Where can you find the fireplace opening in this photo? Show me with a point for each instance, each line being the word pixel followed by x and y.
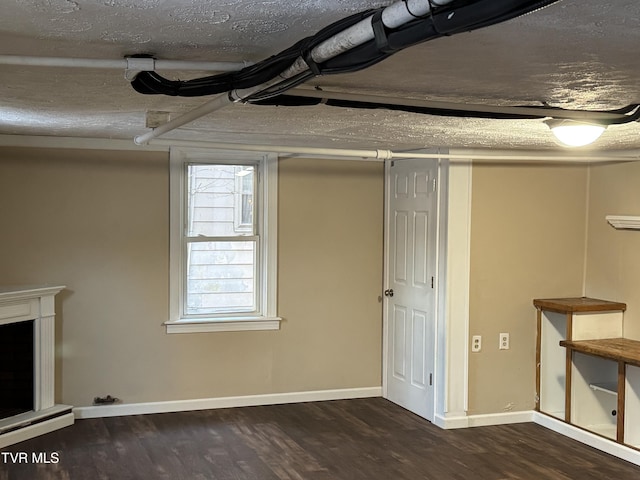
pixel 16 368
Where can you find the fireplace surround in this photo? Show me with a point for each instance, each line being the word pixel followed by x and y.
pixel 30 309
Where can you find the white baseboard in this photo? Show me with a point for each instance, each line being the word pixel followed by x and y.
pixel 505 418
pixel 485 420
pixel 595 441
pixel 449 423
pixel 224 402
pixel 25 433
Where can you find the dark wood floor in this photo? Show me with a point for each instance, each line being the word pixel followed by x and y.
pixel 349 439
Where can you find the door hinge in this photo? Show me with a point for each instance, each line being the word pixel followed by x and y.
pixel 431 282
pixel 430 379
pixel 435 184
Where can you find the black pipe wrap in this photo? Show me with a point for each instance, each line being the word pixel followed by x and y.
pixel 152 83
pixel 545 111
pixel 300 101
pixel 456 17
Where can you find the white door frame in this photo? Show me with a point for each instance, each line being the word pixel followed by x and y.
pixel 452 291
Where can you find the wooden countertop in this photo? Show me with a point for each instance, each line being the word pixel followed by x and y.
pixel 618 349
pixel 577 304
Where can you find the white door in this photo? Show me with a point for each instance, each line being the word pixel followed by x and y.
pixel 410 299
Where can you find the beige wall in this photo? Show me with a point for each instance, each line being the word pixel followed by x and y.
pixel 613 256
pixel 527 241
pixel 97 222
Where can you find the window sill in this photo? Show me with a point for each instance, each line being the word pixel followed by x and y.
pixel 230 324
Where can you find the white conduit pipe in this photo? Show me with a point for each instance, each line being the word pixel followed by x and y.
pixel 123 63
pixel 382 155
pixel 368 155
pixel 393 16
pixel 215 104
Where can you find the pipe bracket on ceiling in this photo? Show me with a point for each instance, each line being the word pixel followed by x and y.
pixel 135 65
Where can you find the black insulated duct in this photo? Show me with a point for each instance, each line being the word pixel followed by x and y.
pixel 627 114
pixel 444 18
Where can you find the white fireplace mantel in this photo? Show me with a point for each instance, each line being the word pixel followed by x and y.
pixel 36 303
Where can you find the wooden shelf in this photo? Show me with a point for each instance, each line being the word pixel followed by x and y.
pixel 577 304
pixel 626 354
pixel 597 373
pixel 619 349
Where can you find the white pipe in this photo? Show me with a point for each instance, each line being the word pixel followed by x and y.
pixel 203 66
pixel 211 106
pixel 20 60
pixel 463 155
pixel 216 104
pixel 382 155
pixel 122 63
pixel 379 155
pixel 393 16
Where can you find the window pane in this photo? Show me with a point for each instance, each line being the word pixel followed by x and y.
pixel 221 277
pixel 220 200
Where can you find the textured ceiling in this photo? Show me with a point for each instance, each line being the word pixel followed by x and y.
pixel 572 54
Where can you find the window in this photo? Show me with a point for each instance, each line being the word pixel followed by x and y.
pixel 223 241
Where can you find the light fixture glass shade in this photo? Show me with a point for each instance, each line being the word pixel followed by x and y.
pixel 571 133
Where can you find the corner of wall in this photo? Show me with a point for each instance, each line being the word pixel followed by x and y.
pixel 587 205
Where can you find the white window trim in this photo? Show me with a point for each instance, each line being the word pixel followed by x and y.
pixel 237 218
pixel 268 232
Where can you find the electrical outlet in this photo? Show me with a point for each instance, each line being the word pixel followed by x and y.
pixel 476 343
pixel 504 341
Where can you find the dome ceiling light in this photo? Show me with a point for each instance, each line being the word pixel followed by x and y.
pixel 571 133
